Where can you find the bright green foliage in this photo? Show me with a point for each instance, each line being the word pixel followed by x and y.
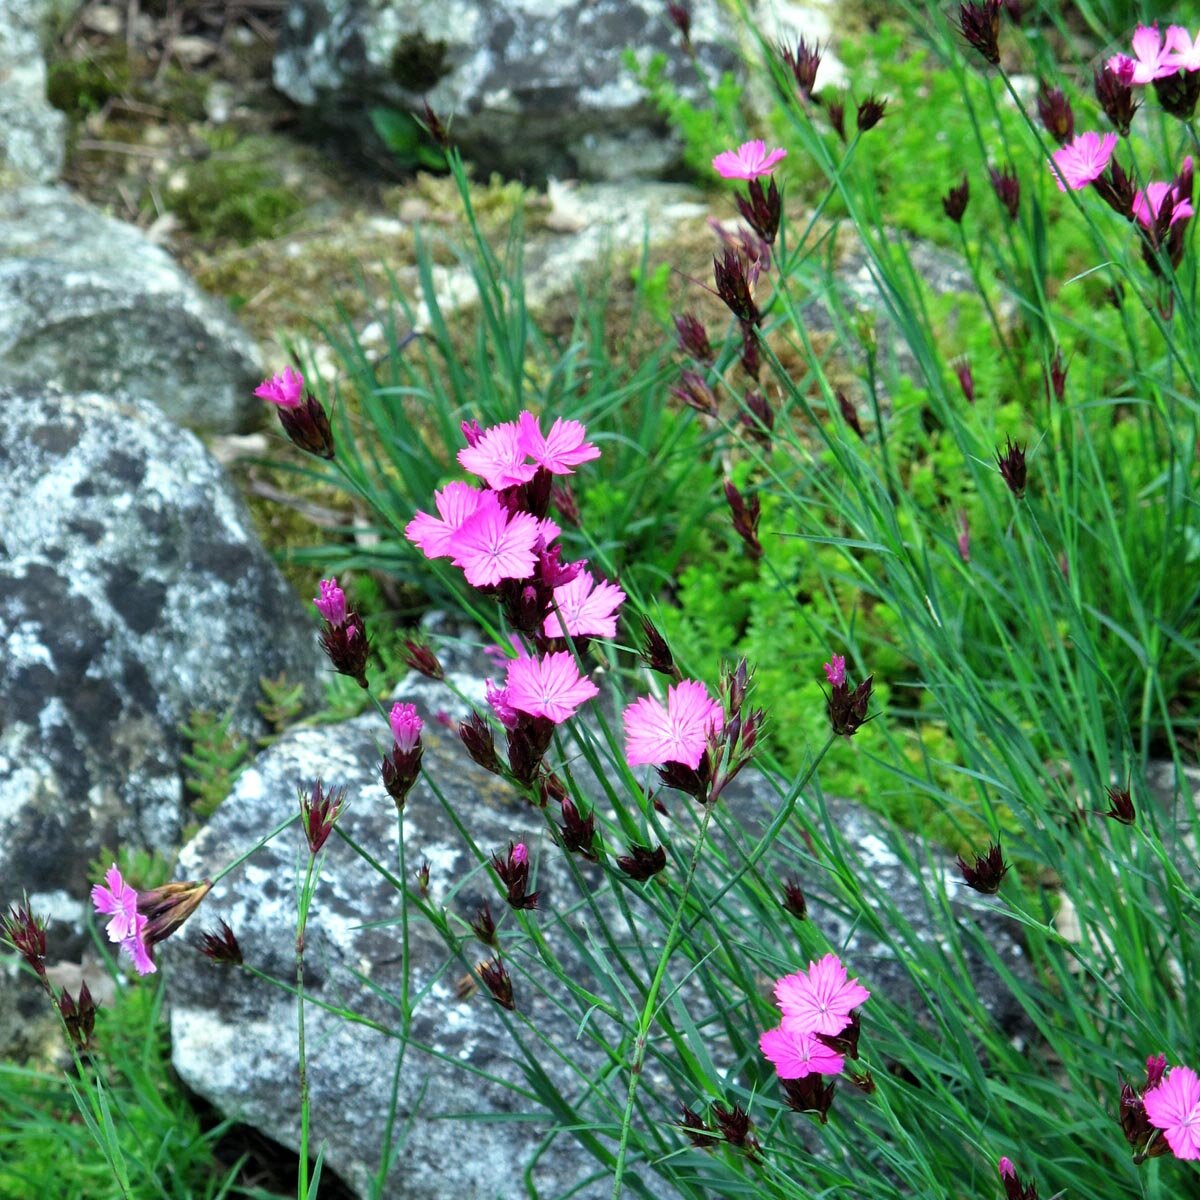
pixel 215 757
pixel 46 1150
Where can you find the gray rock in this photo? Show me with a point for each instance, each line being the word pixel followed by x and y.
pixel 90 304
pixel 534 87
pixel 132 592
pixel 31 131
pixel 234 1037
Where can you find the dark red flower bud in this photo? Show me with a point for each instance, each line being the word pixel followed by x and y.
pixel 954 202
pixel 167 907
pixel 563 500
pixel 870 113
pixel 484 926
pixel 1054 109
pixel 803 62
pixel 347 647
pixel 758 418
pixel 319 811
pixel 1115 97
pixel 656 654
pixel 693 337
pixel 848 709
pixel 845 1042
pixel 987 873
pixel 735 1125
pixel 497 981
pixel 476 735
pixel 307 426
pixel 222 947
pixel 862 1080
pixel 746 514
pixel 980 25
pixel 681 18
pixel 433 126
pixel 1014 1188
pixel 79 1016
pixel 850 414
pixel 693 391
pixel 793 899
pixel 422 659
pixel 514 874
pixel 1007 187
pixel 810 1095
pixel 699 1133
pixel 422 874
pixel 1178 94
pixel 1120 806
pixel 1116 189
pixel 578 833
pixel 642 862
pixel 966 379
pixel 528 742
pixel 1056 376
pixel 761 210
pixel 26 934
pixel 733 287
pixel 1011 462
pixel 694 782
pixel 835 110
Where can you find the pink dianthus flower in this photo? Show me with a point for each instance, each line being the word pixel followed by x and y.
pixel 549 687
pixel 1174 1107
pixel 1146 204
pixel 285 389
pixel 561 450
pixel 1182 52
pixel 499 454
pixel 1150 61
pixel 493 544
pixel 584 608
pixel 455 503
pixel 331 602
pixel 748 161
pixel 676 733
pixel 819 1000
pixel 119 902
pixel 1082 160
pixel 406 726
pixel 835 669
pixel 796 1054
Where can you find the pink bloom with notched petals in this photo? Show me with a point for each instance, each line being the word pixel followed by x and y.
pixel 1082 160
pixel 519 854
pixel 561 450
pixel 406 726
pixel 1182 52
pixel 583 608
pixel 1150 61
pixel 119 901
pixel 455 503
pixel 331 603
pixel 497 698
pixel 285 389
pixel 748 161
pixel 1146 205
pixel 676 733
pixel 796 1054
pixel 499 454
pixel 549 687
pixel 1174 1107
pixel 819 1000
pixel 835 670
pixel 494 544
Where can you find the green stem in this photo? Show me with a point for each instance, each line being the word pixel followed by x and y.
pixel 301 924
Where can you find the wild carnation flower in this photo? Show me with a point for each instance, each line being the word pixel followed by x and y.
pixel 748 161
pixel 796 1054
pixel 1082 160
pixel 493 544
pixel 549 687
pixel 497 698
pixel 499 455
pixel 819 1000
pixel 455 503
pixel 406 726
pixel 127 926
pixel 331 602
pixel 585 608
pixel 1182 52
pixel 285 389
pixel 677 733
pixel 1174 1107
pixel 835 669
pixel 561 450
pixel 1146 204
pixel 1151 59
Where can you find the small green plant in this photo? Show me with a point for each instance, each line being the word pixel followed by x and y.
pixel 281 705
pixel 82 86
pixel 215 757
